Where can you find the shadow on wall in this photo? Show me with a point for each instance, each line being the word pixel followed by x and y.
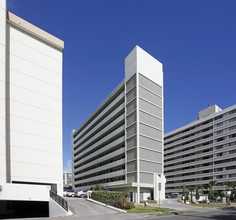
pixel 23 209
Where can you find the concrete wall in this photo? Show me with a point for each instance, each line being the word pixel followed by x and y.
pixel 2 91
pixel 31 103
pixel 22 192
pixel 35 109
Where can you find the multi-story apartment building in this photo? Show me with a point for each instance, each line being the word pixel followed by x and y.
pixel 202 151
pixel 120 145
pixel 30 115
pixel 67 180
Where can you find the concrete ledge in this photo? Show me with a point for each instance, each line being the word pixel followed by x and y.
pixel 108 206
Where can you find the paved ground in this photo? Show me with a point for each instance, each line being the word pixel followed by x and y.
pixel 85 210
pixel 173 204
pixel 82 207
pixel 214 214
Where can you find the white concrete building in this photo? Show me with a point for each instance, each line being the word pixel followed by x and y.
pixel 31 111
pixel 202 151
pixel 67 180
pixel 120 145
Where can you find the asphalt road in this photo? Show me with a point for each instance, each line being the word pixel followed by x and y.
pixel 213 214
pixel 85 210
pixel 173 204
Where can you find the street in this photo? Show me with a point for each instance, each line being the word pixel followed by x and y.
pixel 85 210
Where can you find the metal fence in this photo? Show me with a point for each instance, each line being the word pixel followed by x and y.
pixel 59 200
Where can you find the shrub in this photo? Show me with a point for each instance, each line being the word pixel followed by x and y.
pixel 97 187
pixel 149 198
pixel 107 197
pixel 120 204
pixel 116 199
pixel 129 205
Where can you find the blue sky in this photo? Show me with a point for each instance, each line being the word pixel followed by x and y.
pixel 195 41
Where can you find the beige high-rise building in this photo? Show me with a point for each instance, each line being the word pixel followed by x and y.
pixel 202 151
pixel 120 145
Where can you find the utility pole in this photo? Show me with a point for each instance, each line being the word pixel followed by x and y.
pixel 159 188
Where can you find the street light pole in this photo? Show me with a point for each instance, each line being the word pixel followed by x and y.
pixel 159 188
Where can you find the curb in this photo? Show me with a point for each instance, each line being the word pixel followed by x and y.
pixel 107 206
pixel 190 204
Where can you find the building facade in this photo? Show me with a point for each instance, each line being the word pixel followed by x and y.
pixel 67 180
pixel 31 110
pixel 202 151
pixel 120 145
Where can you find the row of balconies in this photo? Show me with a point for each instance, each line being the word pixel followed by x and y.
pixel 224 164
pixel 102 141
pixel 225 172
pixel 190 182
pixel 192 163
pixel 193 176
pixel 192 138
pixel 99 160
pixel 103 176
pixel 196 157
pixel 99 117
pixel 222 120
pixel 98 153
pixel 192 144
pixel 101 168
pixel 182 134
pixel 101 134
pixel 103 172
pixel 195 150
pixel 106 121
pixel 114 135
pixel 189 170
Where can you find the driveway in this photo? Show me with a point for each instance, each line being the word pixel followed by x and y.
pixel 81 207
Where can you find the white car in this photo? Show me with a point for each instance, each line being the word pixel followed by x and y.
pixel 70 193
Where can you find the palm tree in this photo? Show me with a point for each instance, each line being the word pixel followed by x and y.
pixel 183 187
pixel 212 184
pixel 229 185
pixel 198 187
pixel 205 186
pixel 191 189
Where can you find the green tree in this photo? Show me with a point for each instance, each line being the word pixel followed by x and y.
pixel 191 190
pixel 97 187
pixel 197 191
pixel 229 185
pixel 183 187
pixel 212 184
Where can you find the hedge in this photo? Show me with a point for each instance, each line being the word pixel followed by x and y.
pixel 116 199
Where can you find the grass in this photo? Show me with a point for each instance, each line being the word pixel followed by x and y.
pixel 213 205
pixel 148 209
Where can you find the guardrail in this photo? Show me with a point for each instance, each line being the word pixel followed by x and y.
pixel 59 200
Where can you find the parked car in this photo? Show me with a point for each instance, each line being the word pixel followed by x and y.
pixel 78 192
pixel 70 193
pixel 64 193
pixel 83 193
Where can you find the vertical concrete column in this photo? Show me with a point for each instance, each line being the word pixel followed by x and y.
pixel 3 91
pixel 149 113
